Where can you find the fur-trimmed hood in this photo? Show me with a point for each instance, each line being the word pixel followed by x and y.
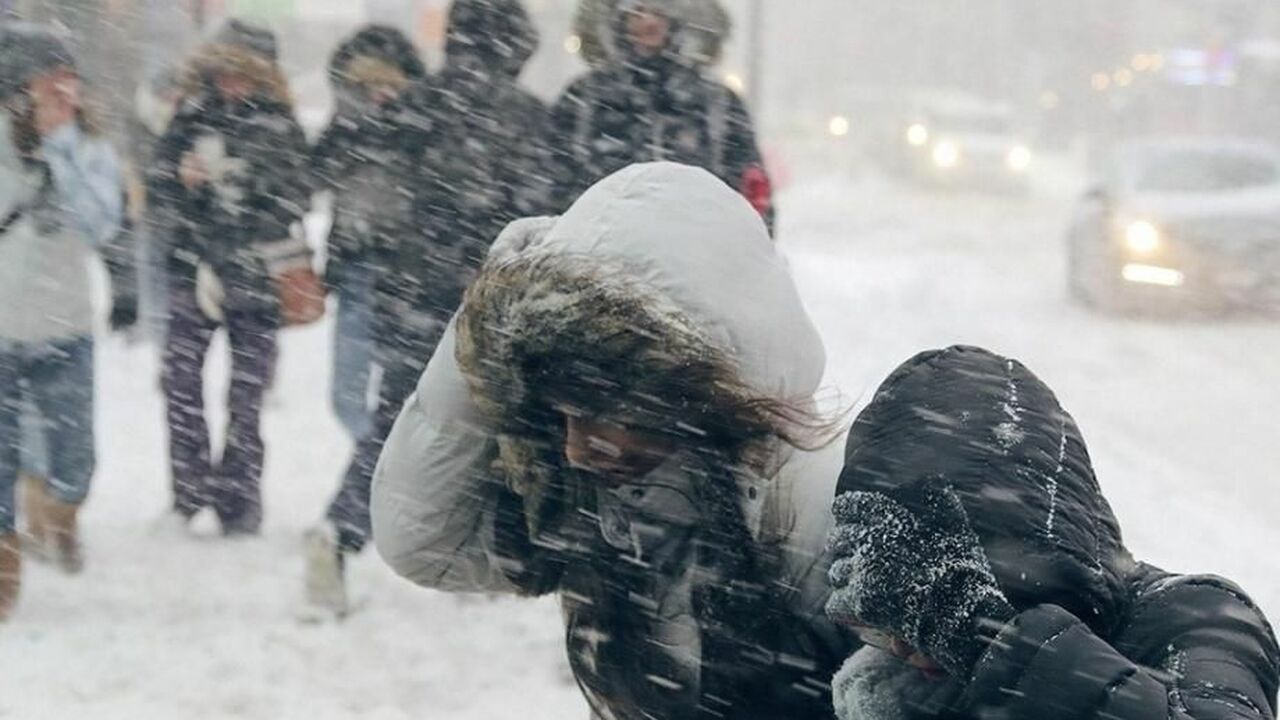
pixel 216 57
pixel 656 248
pixel 659 296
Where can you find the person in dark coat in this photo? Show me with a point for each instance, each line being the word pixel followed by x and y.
pixel 651 102
pixel 481 167
pixel 232 165
pixel 979 561
pixel 368 158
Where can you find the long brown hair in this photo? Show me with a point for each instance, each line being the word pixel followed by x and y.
pixel 538 334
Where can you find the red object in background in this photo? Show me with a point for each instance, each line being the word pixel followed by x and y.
pixel 757 189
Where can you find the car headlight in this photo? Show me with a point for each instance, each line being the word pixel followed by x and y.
pixel 917 135
pixel 1142 237
pixel 1019 159
pixel 946 154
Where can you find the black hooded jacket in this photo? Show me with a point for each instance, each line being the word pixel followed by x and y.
pixel 632 110
pixel 482 165
pixel 1097 635
pixel 255 197
pixel 370 156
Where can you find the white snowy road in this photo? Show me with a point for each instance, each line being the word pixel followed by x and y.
pixel 1179 416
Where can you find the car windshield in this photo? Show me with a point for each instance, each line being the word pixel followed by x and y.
pixel 1206 171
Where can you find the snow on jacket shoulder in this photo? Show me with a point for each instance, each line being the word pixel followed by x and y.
pixel 688 237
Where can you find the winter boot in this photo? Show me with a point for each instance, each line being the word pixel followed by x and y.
pixel 34 500
pixel 326 584
pixel 10 573
pixel 64 535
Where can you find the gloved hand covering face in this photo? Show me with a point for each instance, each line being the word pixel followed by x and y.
pixel 908 563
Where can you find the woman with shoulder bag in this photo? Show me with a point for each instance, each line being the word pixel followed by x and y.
pixel 233 165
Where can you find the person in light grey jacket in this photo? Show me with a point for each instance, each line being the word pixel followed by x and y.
pixel 61 200
pixel 623 414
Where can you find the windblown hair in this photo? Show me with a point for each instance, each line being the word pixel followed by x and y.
pixel 215 58
pixel 540 334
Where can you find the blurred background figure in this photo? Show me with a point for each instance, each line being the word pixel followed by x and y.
pixel 370 159
pixel 63 199
pixel 707 28
pixel 367 158
pixel 646 99
pixel 232 166
pixel 482 166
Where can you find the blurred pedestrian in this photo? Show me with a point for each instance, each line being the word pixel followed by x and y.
pixel 707 29
pixel 984 569
pixel 649 99
pixel 481 167
pixel 370 158
pixel 233 164
pixel 623 415
pixel 63 198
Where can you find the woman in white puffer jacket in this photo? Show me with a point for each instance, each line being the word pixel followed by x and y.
pixel 623 414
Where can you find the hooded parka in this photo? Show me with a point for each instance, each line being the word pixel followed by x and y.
pixel 1097 635
pixel 256 155
pixel 634 109
pixel 673 251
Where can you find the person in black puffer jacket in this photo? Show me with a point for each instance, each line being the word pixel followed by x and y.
pixel 232 169
pixel 370 159
pixel 481 168
pixel 650 102
pixel 976 556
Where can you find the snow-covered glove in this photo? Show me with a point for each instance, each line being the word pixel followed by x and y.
pixel 210 294
pixel 907 562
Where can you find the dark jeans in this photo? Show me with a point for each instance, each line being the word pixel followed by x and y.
pixel 56 380
pixel 349 510
pixel 231 486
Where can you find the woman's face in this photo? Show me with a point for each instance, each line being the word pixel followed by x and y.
pixel 648 32
pixel 235 87
pixel 613 450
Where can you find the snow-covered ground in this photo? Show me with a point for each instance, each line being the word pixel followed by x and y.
pixel 1180 415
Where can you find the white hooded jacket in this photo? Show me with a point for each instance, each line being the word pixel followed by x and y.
pixel 689 238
